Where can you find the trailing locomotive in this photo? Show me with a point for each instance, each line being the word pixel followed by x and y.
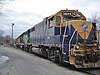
pixel 64 37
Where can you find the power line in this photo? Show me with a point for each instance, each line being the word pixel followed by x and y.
pixel 4 22
pixel 5 19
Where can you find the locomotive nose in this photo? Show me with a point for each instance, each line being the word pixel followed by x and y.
pixel 84 29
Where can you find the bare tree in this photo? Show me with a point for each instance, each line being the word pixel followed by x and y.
pixel 1 37
pixel 4 2
pixel 7 39
pixel 1 32
pixel 96 19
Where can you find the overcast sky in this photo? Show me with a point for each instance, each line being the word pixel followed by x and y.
pixel 26 13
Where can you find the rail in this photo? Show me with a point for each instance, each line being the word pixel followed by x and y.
pixel 71 40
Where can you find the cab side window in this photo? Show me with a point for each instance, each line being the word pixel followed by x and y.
pixel 58 20
pixel 50 23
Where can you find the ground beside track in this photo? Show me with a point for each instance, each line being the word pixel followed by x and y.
pixel 22 63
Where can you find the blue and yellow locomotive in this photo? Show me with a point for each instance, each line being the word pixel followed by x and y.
pixel 64 37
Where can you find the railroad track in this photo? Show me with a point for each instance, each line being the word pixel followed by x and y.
pixel 95 71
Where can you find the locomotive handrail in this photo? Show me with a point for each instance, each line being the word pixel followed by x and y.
pixel 63 41
pixel 71 39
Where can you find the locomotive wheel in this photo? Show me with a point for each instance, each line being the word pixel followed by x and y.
pixel 30 50
pixel 56 59
pixel 48 51
pixel 53 56
pixel 44 52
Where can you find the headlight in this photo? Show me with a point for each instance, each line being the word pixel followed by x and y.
pixel 84 27
pixel 77 47
pixel 99 47
pixel 95 44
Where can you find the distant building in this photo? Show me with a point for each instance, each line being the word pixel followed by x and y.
pixel 7 39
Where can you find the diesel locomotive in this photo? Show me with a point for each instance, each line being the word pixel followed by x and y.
pixel 66 37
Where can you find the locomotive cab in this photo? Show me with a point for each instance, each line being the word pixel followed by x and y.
pixel 60 19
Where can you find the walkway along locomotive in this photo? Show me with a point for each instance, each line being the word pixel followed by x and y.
pixel 64 37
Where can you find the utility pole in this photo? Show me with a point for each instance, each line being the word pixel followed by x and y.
pixel 12 33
